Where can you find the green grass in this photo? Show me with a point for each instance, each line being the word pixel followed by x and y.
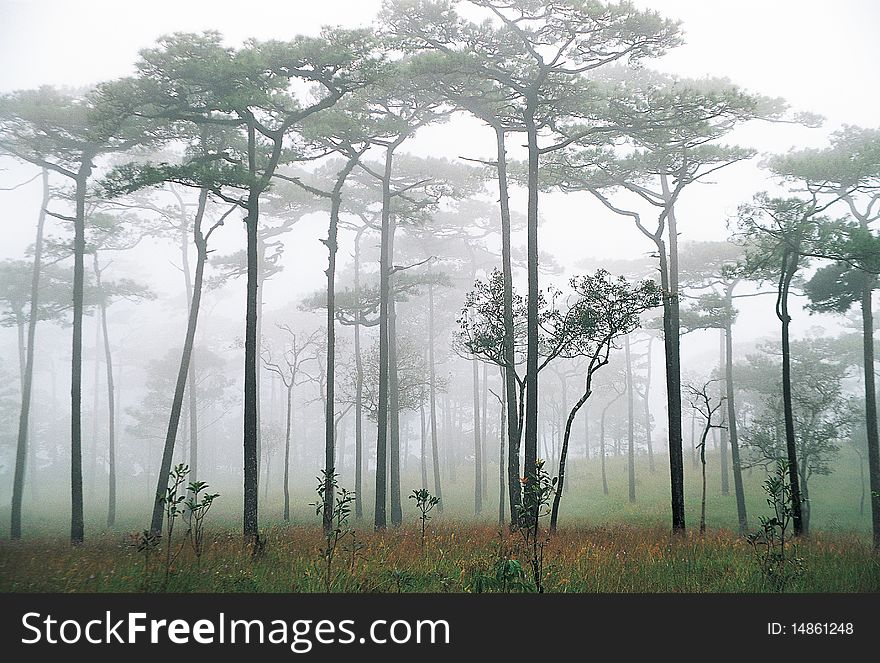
pixel 605 544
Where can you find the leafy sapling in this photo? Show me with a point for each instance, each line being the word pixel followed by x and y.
pixel 537 497
pixel 776 558
pixel 171 505
pixel 425 502
pixel 338 519
pixel 197 507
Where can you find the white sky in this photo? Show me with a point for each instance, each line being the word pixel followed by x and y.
pixel 821 56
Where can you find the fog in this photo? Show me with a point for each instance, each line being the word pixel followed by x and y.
pixel 818 57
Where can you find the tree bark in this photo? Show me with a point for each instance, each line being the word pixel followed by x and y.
pixel 530 451
pixel 21 449
pixel 77 528
pixel 478 448
pixel 722 451
pixel 789 267
pixel 672 344
pixel 287 452
pixel 873 439
pixel 630 428
pixel 183 369
pixel 359 387
pixel 432 397
pixel 647 406
pixel 380 520
pixel 513 428
pixel 111 401
pixel 733 436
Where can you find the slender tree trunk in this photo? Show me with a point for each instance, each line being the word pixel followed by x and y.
pixel 77 528
pixel 111 401
pixel 21 449
pixel 732 432
pixel 359 388
pixel 531 413
pixel 789 263
pixel 672 344
pixel 703 472
pixel 873 438
pixel 602 449
pixel 192 385
pixel 329 414
pixel 92 475
pixel 183 369
pixel 288 421
pixel 478 448
pixel 423 445
pixel 563 455
pixel 251 427
pixel 394 410
pixel 484 452
pixel 513 429
pixel 586 432
pixel 501 482
pixel 432 396
pixel 380 521
pixel 630 428
pixel 725 481
pixel 647 406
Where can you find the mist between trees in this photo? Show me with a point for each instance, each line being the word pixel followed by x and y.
pixel 443 350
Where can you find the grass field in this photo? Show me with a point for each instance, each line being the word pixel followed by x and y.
pixel 605 544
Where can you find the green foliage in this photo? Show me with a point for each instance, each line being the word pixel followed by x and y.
pixel 172 502
pixel 776 557
pixel 425 502
pixel 537 497
pixel 197 506
pixel 339 531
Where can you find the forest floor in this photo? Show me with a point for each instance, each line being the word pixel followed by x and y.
pixel 604 543
pixel 463 558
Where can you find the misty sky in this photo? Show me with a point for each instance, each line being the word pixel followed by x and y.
pixel 820 56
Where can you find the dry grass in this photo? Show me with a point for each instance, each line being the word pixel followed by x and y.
pixel 614 558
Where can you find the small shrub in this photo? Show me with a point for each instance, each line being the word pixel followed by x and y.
pixel 425 502
pixel 775 555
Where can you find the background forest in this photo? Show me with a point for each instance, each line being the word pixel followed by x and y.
pixel 455 285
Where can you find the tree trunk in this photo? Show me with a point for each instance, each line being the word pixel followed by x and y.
pixel 873 439
pixel 602 450
pixel 563 455
pixel 478 448
pixel 287 452
pixel 394 407
pixel 432 396
pixel 513 429
pixel 111 402
pixel 630 429
pixel 380 521
pixel 21 449
pixel 531 412
pixel 423 445
pixel 484 451
pixel 732 432
pixel 330 399
pixel 789 267
pixel 77 528
pixel 725 481
pixel 183 369
pixel 359 387
pixel 647 406
pixel 192 385
pixel 501 482
pixel 703 493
